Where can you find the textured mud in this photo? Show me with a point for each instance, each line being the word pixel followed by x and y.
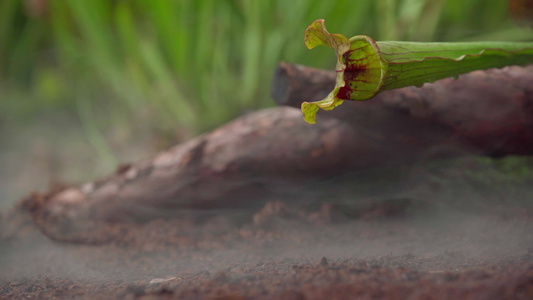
pixel 390 250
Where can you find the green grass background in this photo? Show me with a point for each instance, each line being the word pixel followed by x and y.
pixel 196 63
pixel 177 68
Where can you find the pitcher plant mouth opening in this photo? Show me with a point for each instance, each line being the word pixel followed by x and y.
pixel 365 67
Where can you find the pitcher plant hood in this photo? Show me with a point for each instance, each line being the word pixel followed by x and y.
pixel 365 67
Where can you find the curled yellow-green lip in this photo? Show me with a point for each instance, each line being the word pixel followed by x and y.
pixel 366 67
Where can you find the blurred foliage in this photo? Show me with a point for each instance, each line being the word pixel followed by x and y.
pixel 121 70
pixel 190 64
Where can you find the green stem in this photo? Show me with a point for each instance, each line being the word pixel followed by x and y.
pixel 366 67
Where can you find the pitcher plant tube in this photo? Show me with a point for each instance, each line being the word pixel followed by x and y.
pixel 366 67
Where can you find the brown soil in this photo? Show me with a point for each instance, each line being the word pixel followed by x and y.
pixel 385 251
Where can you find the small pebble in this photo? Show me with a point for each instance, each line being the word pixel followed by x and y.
pixel 324 262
